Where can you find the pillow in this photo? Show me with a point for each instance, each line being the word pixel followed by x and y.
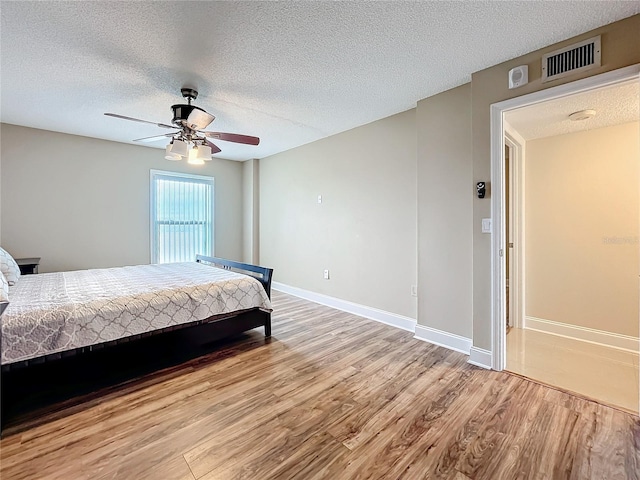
pixel 9 267
pixel 4 289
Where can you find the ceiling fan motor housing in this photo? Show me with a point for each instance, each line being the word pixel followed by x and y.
pixel 190 116
pixel 180 113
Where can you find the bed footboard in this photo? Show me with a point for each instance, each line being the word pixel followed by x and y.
pixel 263 274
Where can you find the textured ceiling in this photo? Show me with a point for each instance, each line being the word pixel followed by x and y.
pixel 288 72
pixel 613 106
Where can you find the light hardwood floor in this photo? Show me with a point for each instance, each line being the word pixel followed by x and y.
pixel 603 373
pixel 330 396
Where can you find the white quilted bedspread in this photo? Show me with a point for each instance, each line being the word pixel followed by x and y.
pixel 54 312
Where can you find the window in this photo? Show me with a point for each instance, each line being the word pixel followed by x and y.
pixel 181 216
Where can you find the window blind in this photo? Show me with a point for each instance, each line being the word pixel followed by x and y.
pixel 181 217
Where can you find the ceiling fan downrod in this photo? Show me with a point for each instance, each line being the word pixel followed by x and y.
pixel 189 94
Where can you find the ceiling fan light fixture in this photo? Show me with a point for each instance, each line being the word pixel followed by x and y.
pixel 204 152
pixel 169 155
pixel 180 148
pixel 194 157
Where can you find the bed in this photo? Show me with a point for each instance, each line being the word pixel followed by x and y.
pixel 60 319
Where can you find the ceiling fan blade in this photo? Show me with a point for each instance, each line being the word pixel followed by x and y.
pixel 163 125
pixel 155 138
pixel 199 119
pixel 214 147
pixel 233 137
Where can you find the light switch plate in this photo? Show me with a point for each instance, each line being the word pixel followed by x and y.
pixel 486 225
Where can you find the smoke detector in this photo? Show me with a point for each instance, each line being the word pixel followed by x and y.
pixel 582 115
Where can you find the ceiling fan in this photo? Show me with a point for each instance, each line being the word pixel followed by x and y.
pixel 190 140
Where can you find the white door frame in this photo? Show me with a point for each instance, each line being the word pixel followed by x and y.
pixel 498 302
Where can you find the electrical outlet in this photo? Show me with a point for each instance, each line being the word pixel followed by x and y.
pixel 414 290
pixel 319 198
pixel 326 274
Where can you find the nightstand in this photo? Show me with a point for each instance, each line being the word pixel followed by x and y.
pixel 28 266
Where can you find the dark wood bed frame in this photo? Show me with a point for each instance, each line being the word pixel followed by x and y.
pixel 20 381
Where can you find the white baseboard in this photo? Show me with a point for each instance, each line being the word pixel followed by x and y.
pixel 599 337
pixel 443 339
pixel 388 318
pixel 480 357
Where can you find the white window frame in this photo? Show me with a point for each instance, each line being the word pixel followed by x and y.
pixel 152 206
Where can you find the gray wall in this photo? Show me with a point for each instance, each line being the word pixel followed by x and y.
pixel 250 211
pixel 0 187
pixel 581 235
pixel 364 231
pixel 79 202
pixel 445 201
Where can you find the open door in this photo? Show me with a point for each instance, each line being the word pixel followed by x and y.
pixel 509 226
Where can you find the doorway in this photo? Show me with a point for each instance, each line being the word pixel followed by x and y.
pixel 557 327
